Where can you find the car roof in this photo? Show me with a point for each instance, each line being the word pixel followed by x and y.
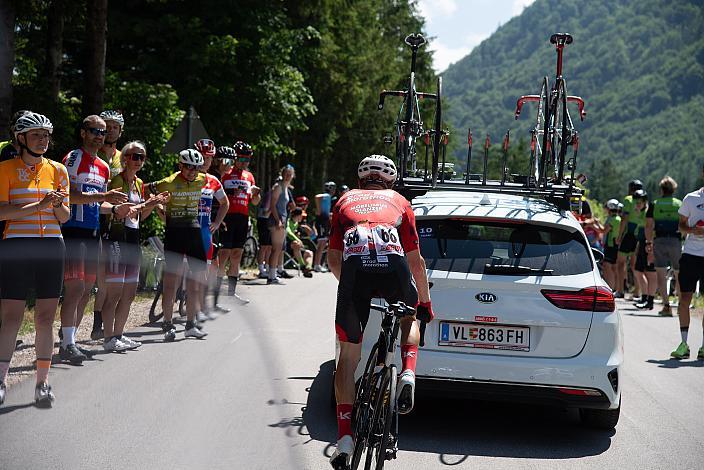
pixel 491 205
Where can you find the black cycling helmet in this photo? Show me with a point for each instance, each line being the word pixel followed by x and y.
pixel 634 185
pixel 640 194
pixel 243 149
pixel 225 152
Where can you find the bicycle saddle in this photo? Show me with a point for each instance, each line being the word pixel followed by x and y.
pixel 562 38
pixel 415 40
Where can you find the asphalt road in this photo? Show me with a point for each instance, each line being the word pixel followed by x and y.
pixel 255 394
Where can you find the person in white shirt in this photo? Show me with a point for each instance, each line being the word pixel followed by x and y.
pixel 691 263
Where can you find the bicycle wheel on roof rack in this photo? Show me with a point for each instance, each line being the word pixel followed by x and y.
pixel 564 132
pixel 437 135
pixel 536 145
pixel 546 152
pixel 407 128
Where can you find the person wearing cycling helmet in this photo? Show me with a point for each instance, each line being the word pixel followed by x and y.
pixel 9 149
pixel 645 262
pixel 89 176
pixel 343 189
pixel 374 252
pixel 34 200
pixel 213 199
pixel 663 236
pixel 182 237
pixel 323 206
pixel 114 123
pixel 241 190
pixel 222 163
pixel 611 225
pixel 626 241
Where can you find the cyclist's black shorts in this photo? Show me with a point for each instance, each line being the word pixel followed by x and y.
pixel 628 243
pixel 691 272
pixel 642 259
pixel 179 241
pixel 32 264
pixel 236 233
pixel 263 231
pixel 322 226
pixel 364 278
pixel 611 254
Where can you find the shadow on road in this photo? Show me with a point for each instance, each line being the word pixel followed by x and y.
pixel 675 363
pixel 457 430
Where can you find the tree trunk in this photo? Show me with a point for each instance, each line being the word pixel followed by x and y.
pixel 96 35
pixel 7 61
pixel 54 48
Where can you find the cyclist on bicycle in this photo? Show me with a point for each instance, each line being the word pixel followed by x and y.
pixel 182 238
pixel 374 253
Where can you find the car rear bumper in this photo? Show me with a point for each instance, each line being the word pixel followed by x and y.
pixel 570 397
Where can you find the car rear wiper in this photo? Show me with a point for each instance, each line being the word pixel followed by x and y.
pixel 509 269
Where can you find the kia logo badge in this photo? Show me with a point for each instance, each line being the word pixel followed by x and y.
pixel 485 298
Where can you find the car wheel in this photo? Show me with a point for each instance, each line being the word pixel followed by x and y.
pixel 600 419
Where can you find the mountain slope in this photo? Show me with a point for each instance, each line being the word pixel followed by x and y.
pixel 639 65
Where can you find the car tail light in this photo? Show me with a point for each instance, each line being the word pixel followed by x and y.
pixel 589 299
pixel 580 392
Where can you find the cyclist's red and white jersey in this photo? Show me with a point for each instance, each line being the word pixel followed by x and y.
pixel 88 174
pixel 212 189
pixel 238 187
pixel 379 220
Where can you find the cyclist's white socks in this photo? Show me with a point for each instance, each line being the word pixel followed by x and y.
pixel 262 268
pixel 684 331
pixel 69 335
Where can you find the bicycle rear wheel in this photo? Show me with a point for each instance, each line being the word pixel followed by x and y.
pixel 536 149
pixel 546 149
pixel 384 411
pixel 361 412
pixel 438 132
pixel 564 131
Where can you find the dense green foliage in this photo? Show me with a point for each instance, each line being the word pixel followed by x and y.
pixel 639 65
pixel 298 80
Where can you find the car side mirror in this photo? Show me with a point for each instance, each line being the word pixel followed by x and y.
pixel 598 255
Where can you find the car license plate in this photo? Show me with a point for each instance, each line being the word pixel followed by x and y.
pixel 477 335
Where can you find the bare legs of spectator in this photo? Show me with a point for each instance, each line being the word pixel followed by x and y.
pixel 12 315
pixel 621 272
pixel 278 234
pixel 610 276
pixel 73 299
pixel 319 248
pixel 263 258
pixel 662 286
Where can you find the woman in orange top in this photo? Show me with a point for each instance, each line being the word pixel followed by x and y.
pixel 34 202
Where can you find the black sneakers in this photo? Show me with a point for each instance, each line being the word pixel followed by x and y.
pixel 72 354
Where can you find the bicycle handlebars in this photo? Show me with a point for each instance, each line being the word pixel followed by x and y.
pixel 401 310
pixel 420 94
pixel 536 98
pixel 415 40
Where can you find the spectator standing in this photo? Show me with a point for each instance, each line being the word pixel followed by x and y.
pixel 626 241
pixel 662 234
pixel 645 265
pixel 34 201
pixel 278 218
pixel 122 253
pixel 691 224
pixel 241 190
pixel 611 226
pixel 88 177
pixel 323 207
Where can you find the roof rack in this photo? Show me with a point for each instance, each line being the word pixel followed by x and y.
pixel 560 193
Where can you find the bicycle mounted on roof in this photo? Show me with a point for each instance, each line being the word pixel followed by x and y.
pixel 409 125
pixel 553 133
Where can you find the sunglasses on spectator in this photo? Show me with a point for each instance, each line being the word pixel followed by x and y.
pixel 188 166
pixel 136 156
pixel 96 132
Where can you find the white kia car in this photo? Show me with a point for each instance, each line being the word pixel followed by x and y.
pixel 521 311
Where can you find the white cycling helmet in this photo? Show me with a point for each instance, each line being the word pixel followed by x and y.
pixel 612 204
pixel 30 121
pixel 377 166
pixel 110 115
pixel 190 157
pixel 330 187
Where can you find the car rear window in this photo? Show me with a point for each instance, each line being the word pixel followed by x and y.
pixel 469 246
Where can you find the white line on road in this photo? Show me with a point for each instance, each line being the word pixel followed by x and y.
pixel 238 337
